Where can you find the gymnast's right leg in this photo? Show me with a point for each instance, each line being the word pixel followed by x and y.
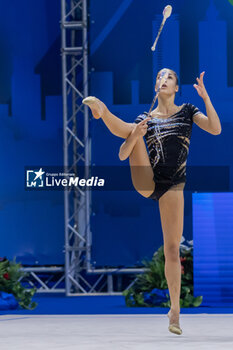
pixel 99 110
pixel 141 170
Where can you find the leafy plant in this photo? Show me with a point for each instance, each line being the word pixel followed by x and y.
pixel 10 274
pixel 151 289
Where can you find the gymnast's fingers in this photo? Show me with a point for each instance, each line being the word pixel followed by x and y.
pixel 144 121
pixel 144 126
pixel 201 77
pixel 200 81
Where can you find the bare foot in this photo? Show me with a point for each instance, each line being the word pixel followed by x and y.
pixel 174 325
pixel 97 107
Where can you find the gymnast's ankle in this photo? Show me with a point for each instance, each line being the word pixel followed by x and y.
pixel 175 311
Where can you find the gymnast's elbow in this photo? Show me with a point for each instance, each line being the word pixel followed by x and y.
pixel 121 156
pixel 216 132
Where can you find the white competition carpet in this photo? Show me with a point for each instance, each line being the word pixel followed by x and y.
pixel 115 332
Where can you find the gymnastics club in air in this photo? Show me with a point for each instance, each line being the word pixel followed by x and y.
pixel 166 13
pixel 164 74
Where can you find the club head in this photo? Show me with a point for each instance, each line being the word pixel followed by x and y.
pixel 167 11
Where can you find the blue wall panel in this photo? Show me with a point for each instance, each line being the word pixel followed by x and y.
pixel 213 247
pixel 32 223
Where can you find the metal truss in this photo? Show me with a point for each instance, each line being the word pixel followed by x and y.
pixel 76 140
pixel 80 276
pixel 52 280
pixel 45 279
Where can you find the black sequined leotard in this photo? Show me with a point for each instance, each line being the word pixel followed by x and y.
pixel 168 143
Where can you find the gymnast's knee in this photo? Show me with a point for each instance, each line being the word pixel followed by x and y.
pixel 145 194
pixel 171 251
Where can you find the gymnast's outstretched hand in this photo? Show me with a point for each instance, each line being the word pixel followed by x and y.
pixel 201 90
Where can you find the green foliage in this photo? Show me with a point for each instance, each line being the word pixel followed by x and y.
pixel 10 276
pixel 154 277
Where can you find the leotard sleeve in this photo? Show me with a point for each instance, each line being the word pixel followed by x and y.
pixel 193 110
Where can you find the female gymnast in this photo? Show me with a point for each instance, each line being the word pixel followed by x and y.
pixel 167 130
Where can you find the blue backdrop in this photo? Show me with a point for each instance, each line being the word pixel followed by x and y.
pixel 125 227
pixel 198 36
pixel 32 224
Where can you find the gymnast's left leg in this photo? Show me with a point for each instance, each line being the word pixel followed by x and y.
pixel 171 206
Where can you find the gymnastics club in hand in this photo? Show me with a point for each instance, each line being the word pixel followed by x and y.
pixel 162 80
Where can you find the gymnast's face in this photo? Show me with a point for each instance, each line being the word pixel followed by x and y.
pixel 170 87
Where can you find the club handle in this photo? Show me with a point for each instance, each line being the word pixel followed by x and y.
pixel 157 38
